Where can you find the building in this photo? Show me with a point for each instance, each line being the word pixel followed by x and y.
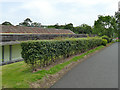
pixel 11 36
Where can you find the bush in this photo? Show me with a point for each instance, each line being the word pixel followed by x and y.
pixel 104 42
pixel 41 53
pixel 106 37
pixel 110 39
pixel 117 40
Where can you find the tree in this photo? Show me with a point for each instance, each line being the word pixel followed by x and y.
pixel 83 29
pixel 86 29
pixel 69 26
pixel 6 23
pixel 117 16
pixel 56 26
pixel 105 25
pixel 36 24
pixel 27 22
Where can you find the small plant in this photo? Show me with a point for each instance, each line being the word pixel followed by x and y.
pixel 104 42
pixel 106 37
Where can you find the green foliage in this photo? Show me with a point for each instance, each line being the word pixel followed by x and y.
pixel 57 26
pixel 117 40
pixel 60 38
pixel 117 16
pixel 6 23
pixel 82 29
pixel 36 24
pixel 105 25
pixel 43 53
pixel 110 39
pixel 27 22
pixel 69 26
pixel 106 37
pixel 104 42
pixel 19 75
pixel 88 36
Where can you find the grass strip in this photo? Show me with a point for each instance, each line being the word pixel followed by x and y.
pixel 19 75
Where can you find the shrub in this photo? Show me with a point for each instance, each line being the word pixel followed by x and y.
pixel 41 53
pixel 106 37
pixel 110 39
pixel 104 42
pixel 117 40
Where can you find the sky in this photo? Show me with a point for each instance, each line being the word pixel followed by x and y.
pixel 50 12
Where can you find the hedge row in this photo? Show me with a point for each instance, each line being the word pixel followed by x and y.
pixel 42 53
pixel 107 38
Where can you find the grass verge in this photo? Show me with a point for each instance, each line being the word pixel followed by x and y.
pixel 19 75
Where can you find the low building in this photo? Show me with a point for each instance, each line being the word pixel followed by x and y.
pixel 11 36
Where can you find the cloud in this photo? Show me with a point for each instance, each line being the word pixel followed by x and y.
pixel 59 11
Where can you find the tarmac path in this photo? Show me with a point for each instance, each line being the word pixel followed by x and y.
pixel 98 71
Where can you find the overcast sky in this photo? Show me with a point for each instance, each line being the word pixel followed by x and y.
pixel 50 12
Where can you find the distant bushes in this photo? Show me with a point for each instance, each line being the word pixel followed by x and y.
pixel 44 52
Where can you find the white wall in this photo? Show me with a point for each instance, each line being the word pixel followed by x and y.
pixel 16 52
pixel 0 54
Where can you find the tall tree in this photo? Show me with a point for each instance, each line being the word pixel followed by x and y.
pixel 117 15
pixel 83 29
pixel 27 22
pixel 86 29
pixel 56 26
pixel 69 26
pixel 105 25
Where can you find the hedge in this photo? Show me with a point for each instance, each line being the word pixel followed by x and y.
pixel 41 53
pixel 106 37
pixel 104 42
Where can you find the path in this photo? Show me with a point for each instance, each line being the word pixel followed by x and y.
pixel 98 71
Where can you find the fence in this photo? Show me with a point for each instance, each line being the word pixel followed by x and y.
pixel 23 37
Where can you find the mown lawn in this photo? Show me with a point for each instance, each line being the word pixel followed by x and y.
pixel 19 75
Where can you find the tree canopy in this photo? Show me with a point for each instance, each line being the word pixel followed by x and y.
pixel 105 25
pixel 26 22
pixel 117 16
pixel 6 23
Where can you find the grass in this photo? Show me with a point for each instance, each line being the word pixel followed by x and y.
pixel 19 75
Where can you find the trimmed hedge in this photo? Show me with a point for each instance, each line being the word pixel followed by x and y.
pixel 106 37
pixel 104 42
pixel 44 52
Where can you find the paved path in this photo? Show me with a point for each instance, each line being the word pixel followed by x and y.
pixel 98 71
